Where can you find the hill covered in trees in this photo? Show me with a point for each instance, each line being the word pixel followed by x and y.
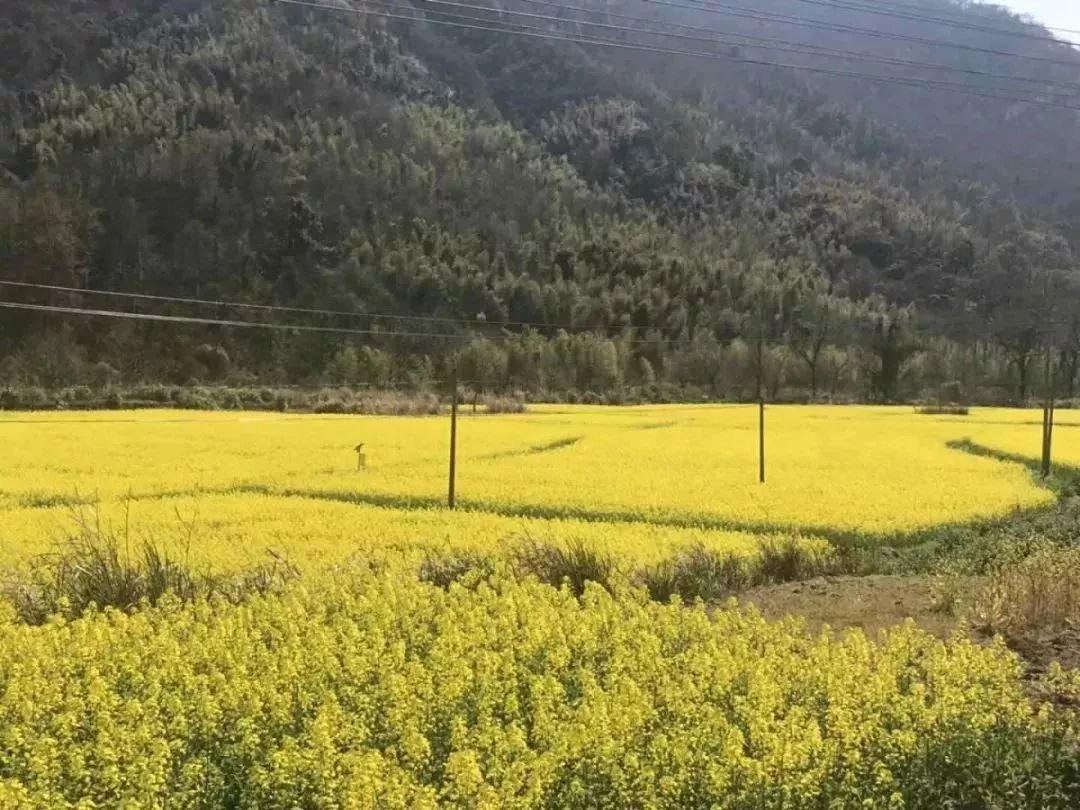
pixel 578 215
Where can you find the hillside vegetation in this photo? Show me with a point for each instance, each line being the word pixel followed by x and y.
pixel 585 219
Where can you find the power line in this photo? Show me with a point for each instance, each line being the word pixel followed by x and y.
pixel 971 13
pixel 954 87
pixel 1010 320
pixel 918 17
pixel 189 319
pixel 726 10
pixel 1040 323
pixel 974 11
pixel 723 9
pixel 751 41
pixel 276 307
pixel 813 49
pixel 201 321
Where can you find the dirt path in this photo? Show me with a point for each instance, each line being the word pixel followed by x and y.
pixel 871 603
pixel 876 603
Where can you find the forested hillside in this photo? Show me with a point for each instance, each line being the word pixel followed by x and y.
pixel 580 216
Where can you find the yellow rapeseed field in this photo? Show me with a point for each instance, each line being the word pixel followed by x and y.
pixel 1018 433
pixel 381 692
pixel 667 473
pixel 360 686
pixel 238 531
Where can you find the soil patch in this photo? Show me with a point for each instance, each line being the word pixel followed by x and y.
pixel 871 604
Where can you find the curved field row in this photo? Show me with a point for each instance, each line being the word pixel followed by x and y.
pixel 877 471
pixel 236 531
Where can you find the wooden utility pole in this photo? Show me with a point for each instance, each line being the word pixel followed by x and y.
pixel 761 401
pixel 1048 413
pixel 452 498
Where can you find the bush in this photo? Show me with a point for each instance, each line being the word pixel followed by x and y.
pixel 332 406
pixel 78 395
pixel 32 398
pixel 162 394
pixel 197 399
pixel 493 404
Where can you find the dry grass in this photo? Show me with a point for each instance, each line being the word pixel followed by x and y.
pixel 1039 595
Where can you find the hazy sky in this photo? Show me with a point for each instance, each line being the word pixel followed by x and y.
pixel 1060 13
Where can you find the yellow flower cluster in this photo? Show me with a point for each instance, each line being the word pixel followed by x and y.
pixel 374 691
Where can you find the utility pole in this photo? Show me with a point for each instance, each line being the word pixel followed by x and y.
pixel 452 497
pixel 761 400
pixel 1048 412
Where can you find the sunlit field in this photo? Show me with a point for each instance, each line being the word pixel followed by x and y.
pixel 238 531
pixel 635 481
pixel 361 681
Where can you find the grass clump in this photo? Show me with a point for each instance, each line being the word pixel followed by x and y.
pixel 695 573
pixel 1038 595
pixel 698 572
pixel 573 564
pixel 97 567
pixel 790 560
pixel 943 410
pixel 466 567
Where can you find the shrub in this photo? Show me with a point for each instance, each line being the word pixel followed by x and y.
pixel 493 404
pixel 78 395
pixel 229 399
pixel 198 399
pixel 332 406
pixel 32 397
pixel 162 394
